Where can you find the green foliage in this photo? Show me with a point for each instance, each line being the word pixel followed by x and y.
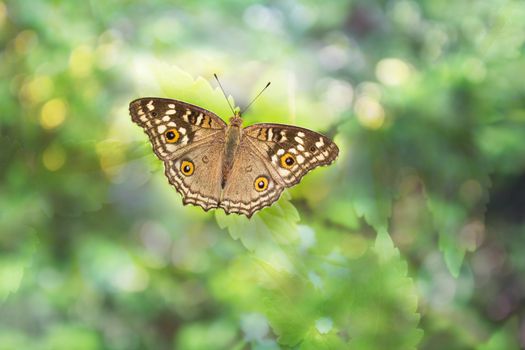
pixel 266 231
pixel 502 339
pixel 413 238
pixel 218 335
pixel 341 299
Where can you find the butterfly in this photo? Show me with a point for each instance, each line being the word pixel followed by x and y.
pixel 217 165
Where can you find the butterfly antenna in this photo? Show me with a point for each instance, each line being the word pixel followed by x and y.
pixel 259 94
pixel 224 93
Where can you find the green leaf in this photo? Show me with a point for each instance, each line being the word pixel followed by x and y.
pixel 13 266
pixel 181 85
pixel 332 301
pixel 219 335
pixel 369 179
pixel 11 273
pixel 449 219
pixel 315 340
pixel 266 233
pixel 504 338
pixel 371 302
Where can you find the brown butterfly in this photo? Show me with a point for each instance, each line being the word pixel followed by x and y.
pixel 217 165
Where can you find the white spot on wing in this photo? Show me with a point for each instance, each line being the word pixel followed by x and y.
pixel 300 159
pixel 283 172
pixel 300 134
pixel 150 105
pixel 182 131
pixel 299 140
pixel 199 119
pixel 161 128
pixel 186 115
pixel 280 152
pixel 170 111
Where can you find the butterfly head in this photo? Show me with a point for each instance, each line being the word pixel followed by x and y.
pixel 236 120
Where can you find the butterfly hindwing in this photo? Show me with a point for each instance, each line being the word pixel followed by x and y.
pixel 252 184
pixel 196 174
pixel 291 150
pixel 174 125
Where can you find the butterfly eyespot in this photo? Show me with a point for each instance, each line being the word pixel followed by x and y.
pixel 261 183
pixel 312 149
pixel 153 114
pixel 287 161
pixel 171 135
pixel 187 167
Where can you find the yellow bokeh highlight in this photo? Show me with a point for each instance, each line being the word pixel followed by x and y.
pixel 369 112
pixel 393 71
pixel 54 158
pixel 111 158
pixel 107 55
pixel 53 113
pixel 368 88
pixel 24 41
pixel 81 61
pixel 37 89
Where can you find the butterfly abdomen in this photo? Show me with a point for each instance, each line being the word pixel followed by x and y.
pixel 233 138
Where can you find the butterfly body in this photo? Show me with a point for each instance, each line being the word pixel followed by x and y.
pixel 233 139
pixel 217 165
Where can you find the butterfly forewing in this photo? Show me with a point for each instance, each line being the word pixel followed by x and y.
pixel 174 125
pixel 291 150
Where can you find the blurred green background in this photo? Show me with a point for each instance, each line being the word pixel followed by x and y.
pixel 414 238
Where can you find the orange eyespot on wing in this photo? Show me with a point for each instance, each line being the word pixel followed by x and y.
pixel 287 161
pixel 260 184
pixel 187 167
pixel 171 135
